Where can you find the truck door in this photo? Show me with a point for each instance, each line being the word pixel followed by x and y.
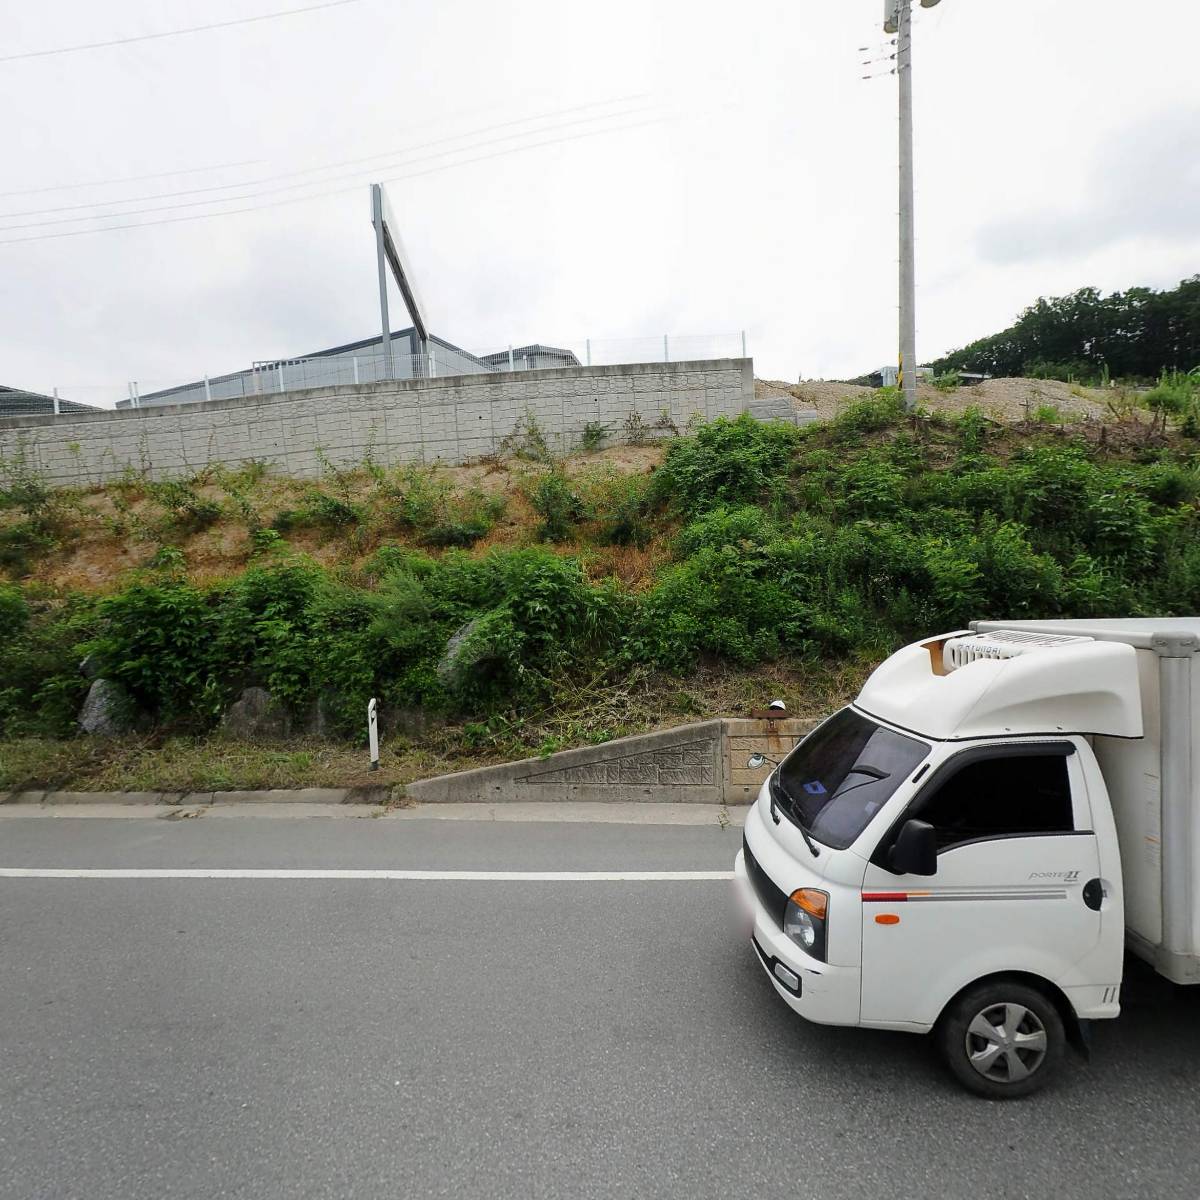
pixel 1016 855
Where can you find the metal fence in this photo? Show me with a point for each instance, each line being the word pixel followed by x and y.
pixel 368 365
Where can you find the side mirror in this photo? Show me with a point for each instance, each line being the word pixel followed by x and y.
pixel 755 761
pixel 914 851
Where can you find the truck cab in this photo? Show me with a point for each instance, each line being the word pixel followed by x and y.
pixel 941 855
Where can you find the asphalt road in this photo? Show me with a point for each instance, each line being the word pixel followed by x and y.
pixel 367 1038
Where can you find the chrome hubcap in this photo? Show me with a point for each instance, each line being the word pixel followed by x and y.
pixel 1006 1042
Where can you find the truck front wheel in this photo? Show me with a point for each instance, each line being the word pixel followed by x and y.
pixel 1002 1039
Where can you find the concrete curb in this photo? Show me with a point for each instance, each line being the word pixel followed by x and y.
pixel 701 763
pixel 359 795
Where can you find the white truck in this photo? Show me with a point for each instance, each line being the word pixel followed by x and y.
pixel 969 847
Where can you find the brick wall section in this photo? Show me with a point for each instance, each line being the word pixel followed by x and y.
pixel 447 420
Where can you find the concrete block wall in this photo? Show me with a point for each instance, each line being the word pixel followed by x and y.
pixel 450 420
pixel 701 763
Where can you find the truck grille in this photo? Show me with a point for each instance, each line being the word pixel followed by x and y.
pixel 770 895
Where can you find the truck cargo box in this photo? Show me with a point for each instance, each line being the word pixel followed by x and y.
pixel 1153 786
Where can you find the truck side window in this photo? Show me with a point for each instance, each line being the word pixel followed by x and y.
pixel 1008 796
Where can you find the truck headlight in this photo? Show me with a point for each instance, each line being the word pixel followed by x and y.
pixel 804 920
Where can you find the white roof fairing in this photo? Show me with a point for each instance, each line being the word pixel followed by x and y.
pixel 1082 687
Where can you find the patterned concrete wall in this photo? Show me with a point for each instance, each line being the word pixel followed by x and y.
pixel 447 420
pixel 702 763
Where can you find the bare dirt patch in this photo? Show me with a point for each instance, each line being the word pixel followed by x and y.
pixel 1004 399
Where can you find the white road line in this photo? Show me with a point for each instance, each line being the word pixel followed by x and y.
pixel 303 873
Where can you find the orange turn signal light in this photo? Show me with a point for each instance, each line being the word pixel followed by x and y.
pixel 813 902
pixel 887 919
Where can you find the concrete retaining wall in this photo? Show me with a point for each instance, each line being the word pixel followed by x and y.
pixel 447 420
pixel 702 763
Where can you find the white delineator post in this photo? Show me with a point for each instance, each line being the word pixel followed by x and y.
pixel 373 732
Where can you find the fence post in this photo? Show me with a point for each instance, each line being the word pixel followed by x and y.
pixel 354 360
pixel 743 343
pixel 432 364
pixel 511 366
pixel 281 376
pixel 132 396
pixel 57 410
pixel 666 351
pixel 589 352
pixel 207 389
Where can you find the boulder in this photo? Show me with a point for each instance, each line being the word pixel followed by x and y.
pixel 107 709
pixel 460 658
pixel 407 720
pixel 317 718
pixel 89 668
pixel 254 714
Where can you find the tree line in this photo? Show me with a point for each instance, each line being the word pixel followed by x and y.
pixel 1135 335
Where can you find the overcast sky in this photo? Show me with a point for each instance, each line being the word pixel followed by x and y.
pixel 710 167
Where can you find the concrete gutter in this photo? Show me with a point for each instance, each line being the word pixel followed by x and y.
pixel 568 813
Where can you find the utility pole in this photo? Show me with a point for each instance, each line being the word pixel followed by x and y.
pixel 385 341
pixel 898 20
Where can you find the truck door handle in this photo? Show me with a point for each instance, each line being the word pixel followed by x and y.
pixel 1093 894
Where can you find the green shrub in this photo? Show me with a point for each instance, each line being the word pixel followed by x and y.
pixel 593 437
pixel 745 527
pixel 972 430
pixel 186 510
pixel 417 500
pixel 157 640
pixel 738 461
pixel 558 504
pixel 620 505
pixel 884 410
pixel 44 522
pixel 41 687
pixel 1176 393
pixel 21 545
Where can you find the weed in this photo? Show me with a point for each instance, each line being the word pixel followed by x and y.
pixel 186 512
pixel 620 505
pixel 527 440
pixel 637 432
pixel 593 437
pixel 558 505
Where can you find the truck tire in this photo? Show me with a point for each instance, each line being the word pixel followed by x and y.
pixel 1002 1039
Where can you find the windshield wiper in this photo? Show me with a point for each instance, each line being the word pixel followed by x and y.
pixel 873 775
pixel 791 810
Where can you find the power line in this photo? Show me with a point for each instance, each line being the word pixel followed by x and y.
pixel 291 187
pixel 223 187
pixel 342 191
pixel 149 37
pixel 66 187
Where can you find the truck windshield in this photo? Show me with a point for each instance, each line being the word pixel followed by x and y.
pixel 842 774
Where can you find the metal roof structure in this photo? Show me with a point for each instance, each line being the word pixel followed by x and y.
pixel 17 402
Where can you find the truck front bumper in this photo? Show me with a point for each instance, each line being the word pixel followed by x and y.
pixel 825 994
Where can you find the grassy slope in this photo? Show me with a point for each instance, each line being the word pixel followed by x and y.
pixel 107 535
